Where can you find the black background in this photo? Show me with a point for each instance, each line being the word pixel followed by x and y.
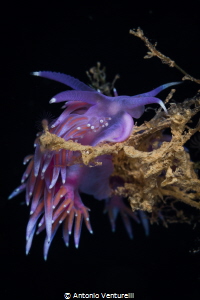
pixel 70 39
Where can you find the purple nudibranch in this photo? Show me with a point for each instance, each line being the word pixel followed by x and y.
pixel 53 185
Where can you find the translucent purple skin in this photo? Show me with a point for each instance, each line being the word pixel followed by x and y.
pixel 51 181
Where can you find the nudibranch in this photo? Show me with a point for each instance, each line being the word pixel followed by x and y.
pixel 53 183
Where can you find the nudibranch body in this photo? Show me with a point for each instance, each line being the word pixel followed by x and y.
pixel 53 183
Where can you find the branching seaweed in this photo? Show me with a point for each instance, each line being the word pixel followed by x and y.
pixel 154 52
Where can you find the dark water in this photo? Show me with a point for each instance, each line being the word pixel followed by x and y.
pixel 71 40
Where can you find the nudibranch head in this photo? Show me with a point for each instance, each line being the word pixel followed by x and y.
pixel 103 118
